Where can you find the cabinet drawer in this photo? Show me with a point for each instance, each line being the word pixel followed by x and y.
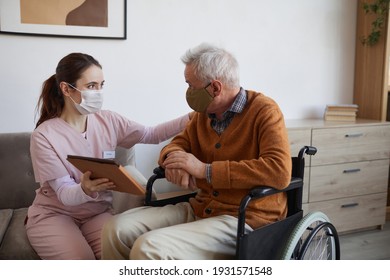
pixel 352 213
pixel 348 179
pixel 357 143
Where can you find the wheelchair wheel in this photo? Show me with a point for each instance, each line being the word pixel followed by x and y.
pixel 321 244
pixel 314 238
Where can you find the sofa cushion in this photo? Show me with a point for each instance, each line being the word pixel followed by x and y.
pixel 5 218
pixel 15 245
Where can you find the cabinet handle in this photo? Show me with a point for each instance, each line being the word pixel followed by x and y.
pixel 351 170
pixel 353 204
pixel 354 135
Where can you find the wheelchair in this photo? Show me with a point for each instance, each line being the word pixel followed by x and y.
pixel 297 237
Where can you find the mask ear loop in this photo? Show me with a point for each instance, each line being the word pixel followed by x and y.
pixel 208 91
pixel 75 89
pixel 72 100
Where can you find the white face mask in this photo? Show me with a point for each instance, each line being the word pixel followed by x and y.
pixel 91 101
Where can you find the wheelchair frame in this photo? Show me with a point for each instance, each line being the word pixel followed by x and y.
pixel 295 237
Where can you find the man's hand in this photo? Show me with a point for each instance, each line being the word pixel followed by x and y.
pixel 181 178
pixel 187 162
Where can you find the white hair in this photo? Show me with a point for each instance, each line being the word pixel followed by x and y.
pixel 213 63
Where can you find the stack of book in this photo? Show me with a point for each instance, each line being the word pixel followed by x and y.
pixel 341 112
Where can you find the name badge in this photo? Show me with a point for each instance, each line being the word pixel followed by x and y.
pixel 108 154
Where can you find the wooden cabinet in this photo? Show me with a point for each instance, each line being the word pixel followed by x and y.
pixel 371 68
pixel 372 75
pixel 348 177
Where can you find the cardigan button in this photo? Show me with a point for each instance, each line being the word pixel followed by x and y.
pixel 215 193
pixel 207 211
pixel 218 145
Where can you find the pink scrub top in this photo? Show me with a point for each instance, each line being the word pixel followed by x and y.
pixel 55 139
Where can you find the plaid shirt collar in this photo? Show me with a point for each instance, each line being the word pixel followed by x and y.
pixel 239 103
pixel 237 107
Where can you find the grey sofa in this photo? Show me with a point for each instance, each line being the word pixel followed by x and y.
pixel 17 191
pixel 17 188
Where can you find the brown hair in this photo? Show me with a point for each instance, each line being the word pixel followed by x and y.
pixel 70 68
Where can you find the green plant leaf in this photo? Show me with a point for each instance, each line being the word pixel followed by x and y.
pixel 380 8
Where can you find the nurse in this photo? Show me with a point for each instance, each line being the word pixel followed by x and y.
pixel 66 218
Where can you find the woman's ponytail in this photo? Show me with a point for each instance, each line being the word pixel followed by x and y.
pixel 51 101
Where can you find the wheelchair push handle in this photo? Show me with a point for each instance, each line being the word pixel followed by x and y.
pixel 309 150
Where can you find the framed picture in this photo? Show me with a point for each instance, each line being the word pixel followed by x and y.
pixel 64 18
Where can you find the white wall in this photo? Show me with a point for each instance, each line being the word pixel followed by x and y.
pixel 300 53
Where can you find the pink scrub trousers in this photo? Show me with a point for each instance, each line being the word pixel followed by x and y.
pixel 55 236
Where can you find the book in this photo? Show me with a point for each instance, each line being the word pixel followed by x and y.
pixel 110 169
pixel 339 118
pixel 342 107
pixel 340 113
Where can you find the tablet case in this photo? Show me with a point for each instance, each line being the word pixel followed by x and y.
pixel 108 168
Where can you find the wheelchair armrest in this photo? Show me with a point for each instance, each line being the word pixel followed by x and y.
pixel 260 192
pixel 171 198
pixel 159 171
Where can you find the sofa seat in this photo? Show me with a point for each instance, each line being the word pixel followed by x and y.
pixel 14 242
pixel 5 219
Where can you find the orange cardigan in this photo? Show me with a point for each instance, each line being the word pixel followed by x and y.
pixel 253 150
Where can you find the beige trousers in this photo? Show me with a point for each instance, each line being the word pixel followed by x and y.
pixel 169 232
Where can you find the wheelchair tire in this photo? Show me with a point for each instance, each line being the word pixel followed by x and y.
pixel 307 229
pixel 321 244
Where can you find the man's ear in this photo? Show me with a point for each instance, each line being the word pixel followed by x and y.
pixel 64 88
pixel 217 87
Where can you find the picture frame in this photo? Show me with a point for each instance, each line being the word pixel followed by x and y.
pixel 105 19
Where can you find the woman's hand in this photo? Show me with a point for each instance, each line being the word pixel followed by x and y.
pixel 91 186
